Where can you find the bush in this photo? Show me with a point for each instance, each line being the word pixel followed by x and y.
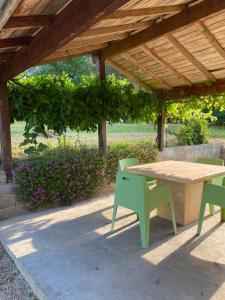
pixel 193 132
pixel 144 151
pixel 66 175
pixel 59 177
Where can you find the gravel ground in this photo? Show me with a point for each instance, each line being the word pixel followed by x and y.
pixel 13 286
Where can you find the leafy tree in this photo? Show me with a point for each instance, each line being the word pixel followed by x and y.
pixel 75 67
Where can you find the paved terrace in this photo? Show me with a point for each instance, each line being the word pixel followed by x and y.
pixel 69 253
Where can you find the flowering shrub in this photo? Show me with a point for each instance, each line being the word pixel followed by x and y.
pixel 65 175
pixel 59 177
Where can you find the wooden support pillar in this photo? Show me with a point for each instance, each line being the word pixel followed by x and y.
pixel 161 131
pixel 5 134
pixel 102 138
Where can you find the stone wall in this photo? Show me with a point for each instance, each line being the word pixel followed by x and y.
pixel 190 153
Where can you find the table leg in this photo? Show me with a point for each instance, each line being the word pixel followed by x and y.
pixel 222 214
pixel 187 202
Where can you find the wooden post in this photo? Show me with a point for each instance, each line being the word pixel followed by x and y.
pixel 5 130
pixel 102 139
pixel 161 131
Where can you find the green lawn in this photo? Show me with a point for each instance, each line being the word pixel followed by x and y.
pixel 115 132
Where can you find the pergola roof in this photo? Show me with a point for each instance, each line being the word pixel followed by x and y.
pixel 176 47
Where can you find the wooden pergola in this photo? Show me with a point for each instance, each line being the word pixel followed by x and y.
pixel 172 48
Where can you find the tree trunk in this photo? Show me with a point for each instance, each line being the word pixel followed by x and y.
pixel 5 134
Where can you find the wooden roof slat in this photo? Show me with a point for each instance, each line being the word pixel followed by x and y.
pixel 15 42
pixel 7 10
pixel 116 28
pixel 124 13
pixel 59 54
pixel 160 60
pixel 129 75
pixel 213 41
pixel 29 21
pixel 146 70
pixel 72 21
pixel 190 57
pixel 187 16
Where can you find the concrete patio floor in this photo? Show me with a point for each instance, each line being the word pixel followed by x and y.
pixel 69 253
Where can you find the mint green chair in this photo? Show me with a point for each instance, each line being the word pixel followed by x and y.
pixel 132 192
pixel 214 195
pixel 129 162
pixel 217 180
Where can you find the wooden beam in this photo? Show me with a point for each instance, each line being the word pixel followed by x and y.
pixel 146 70
pixel 190 57
pixel 132 77
pixel 102 136
pixel 29 21
pixel 5 130
pixel 211 38
pixel 15 42
pixel 196 90
pixel 148 11
pixel 7 10
pixel 186 17
pixel 67 53
pixel 117 28
pixel 165 64
pixel 77 17
pixel 161 131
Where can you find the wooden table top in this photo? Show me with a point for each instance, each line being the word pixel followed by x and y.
pixel 178 171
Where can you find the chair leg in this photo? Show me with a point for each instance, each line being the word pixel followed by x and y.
pixel 222 214
pixel 114 216
pixel 137 217
pixel 201 217
pixel 172 211
pixel 211 209
pixel 144 229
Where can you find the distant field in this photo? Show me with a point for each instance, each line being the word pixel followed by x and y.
pixel 115 132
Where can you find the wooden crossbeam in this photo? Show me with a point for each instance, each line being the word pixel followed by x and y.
pixel 77 17
pixel 29 21
pixel 211 38
pixel 15 42
pixel 187 16
pixel 129 75
pixel 117 28
pixel 160 60
pixel 7 10
pixel 146 70
pixel 197 90
pixel 141 12
pixel 6 55
pixel 67 53
pixel 190 57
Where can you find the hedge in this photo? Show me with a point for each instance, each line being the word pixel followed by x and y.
pixel 65 175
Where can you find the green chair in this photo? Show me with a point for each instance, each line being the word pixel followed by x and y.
pixel 129 162
pixel 214 195
pixel 132 192
pixel 217 180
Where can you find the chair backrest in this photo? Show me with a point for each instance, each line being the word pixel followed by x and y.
pixel 130 190
pixel 210 161
pixel 214 194
pixel 127 162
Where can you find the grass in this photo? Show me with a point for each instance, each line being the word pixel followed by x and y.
pixel 115 132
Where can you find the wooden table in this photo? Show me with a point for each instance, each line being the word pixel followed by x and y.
pixel 187 181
